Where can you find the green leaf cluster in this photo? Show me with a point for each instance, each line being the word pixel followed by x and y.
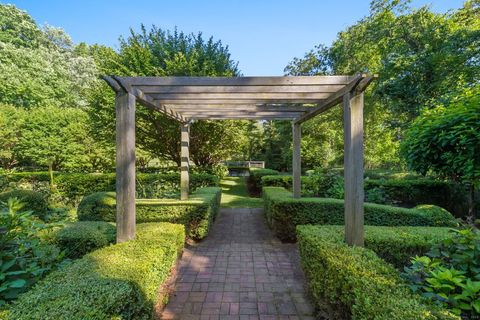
pixel 449 273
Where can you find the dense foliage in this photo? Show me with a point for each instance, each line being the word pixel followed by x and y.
pixel 121 281
pixel 449 273
pixel 24 257
pixel 446 140
pixel 354 283
pixel 422 58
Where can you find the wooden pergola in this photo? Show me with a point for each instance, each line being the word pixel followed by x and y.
pixel 186 99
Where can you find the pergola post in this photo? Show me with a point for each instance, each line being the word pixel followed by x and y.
pixel 125 165
pixel 353 168
pixel 296 160
pixel 184 161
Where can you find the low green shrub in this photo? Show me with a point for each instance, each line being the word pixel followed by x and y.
pixel 197 213
pixel 354 283
pixel 31 201
pixel 449 274
pixel 79 238
pixel 255 178
pixel 283 213
pixel 73 186
pixel 116 282
pixel 395 245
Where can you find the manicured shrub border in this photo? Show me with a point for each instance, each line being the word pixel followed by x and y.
pixel 254 181
pixel 197 213
pixel 73 186
pixel 354 283
pixel 116 282
pixel 284 213
pixel 407 192
pixel 396 245
pixel 79 238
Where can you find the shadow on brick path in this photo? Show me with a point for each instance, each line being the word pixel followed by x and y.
pixel 241 271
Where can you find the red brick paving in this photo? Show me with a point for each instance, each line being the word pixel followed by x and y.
pixel 241 271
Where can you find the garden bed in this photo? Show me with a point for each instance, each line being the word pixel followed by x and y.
pixel 284 213
pixel 197 213
pixel 116 282
pixel 354 283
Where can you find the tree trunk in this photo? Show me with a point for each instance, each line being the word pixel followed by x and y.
pixel 50 174
pixel 471 204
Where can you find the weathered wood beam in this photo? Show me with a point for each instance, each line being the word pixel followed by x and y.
pixel 290 96
pixel 185 161
pixel 173 102
pixel 146 100
pixel 353 168
pixel 166 89
pixel 331 101
pixel 234 114
pixel 251 107
pixel 237 81
pixel 241 117
pixel 125 165
pixel 240 112
pixel 296 160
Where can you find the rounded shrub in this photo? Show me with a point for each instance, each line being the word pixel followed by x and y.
pixel 32 201
pixel 82 237
pixel 98 206
pixel 436 214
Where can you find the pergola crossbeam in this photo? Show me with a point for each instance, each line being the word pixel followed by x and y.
pixel 332 100
pixel 237 81
pixel 168 89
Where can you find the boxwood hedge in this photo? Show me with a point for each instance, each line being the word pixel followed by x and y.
pixel 79 238
pixel 284 213
pixel 116 282
pixel 407 192
pixel 354 283
pixel 197 213
pixel 255 178
pixel 73 186
pixel 396 245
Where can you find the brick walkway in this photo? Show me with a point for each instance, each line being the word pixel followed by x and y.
pixel 241 271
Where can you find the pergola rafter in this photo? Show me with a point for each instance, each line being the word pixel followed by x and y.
pixel 185 99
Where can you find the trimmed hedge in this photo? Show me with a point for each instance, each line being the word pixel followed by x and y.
pixel 117 282
pixel 76 185
pixel 396 245
pixel 354 283
pixel 407 192
pixel 79 238
pixel 197 213
pixel 32 201
pixel 284 213
pixel 255 178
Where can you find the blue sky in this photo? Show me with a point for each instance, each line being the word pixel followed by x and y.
pixel 262 35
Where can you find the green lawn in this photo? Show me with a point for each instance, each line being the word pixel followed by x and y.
pixel 235 194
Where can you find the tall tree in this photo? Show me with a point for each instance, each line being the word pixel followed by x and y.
pixel 156 52
pixel 419 56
